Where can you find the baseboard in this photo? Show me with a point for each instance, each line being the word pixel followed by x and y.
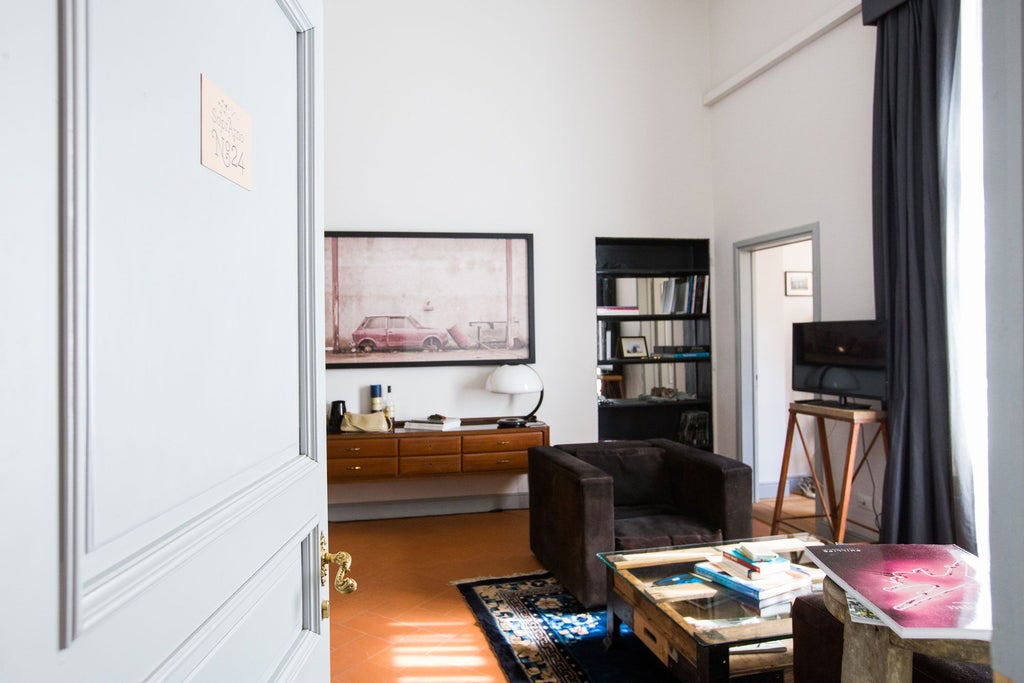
pixel 771 489
pixel 427 507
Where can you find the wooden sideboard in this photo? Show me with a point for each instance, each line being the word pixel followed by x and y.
pixel 408 454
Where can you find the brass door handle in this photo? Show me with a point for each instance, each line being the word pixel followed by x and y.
pixel 342 583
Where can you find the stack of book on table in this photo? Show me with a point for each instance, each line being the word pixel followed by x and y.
pixel 758 577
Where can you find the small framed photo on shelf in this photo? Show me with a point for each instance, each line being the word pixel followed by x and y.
pixel 799 283
pixel 634 347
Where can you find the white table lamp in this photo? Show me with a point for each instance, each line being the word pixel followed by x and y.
pixel 516 379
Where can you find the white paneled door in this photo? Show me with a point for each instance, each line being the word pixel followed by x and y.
pixel 163 492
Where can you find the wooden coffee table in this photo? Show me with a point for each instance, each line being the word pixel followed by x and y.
pixel 701 631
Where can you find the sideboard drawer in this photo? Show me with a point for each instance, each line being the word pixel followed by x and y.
pixel 348 469
pixel 359 447
pixel 479 447
pixel 429 464
pixel 513 440
pixel 430 445
pixel 494 462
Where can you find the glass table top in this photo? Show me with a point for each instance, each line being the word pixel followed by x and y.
pixel 708 610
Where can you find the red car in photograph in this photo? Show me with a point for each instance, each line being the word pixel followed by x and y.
pixel 396 332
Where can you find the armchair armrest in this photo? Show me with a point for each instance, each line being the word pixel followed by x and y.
pixel 717 488
pixel 571 519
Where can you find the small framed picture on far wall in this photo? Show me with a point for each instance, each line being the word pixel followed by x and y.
pixel 799 283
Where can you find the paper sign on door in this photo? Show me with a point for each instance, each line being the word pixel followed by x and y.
pixel 226 145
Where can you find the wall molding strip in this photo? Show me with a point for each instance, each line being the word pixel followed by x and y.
pixel 837 16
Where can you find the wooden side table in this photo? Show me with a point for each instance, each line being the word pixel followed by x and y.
pixel 835 506
pixel 874 654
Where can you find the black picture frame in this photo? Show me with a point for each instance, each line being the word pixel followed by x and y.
pixel 476 288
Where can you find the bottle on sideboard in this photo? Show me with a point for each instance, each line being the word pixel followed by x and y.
pixel 389 405
pixel 376 402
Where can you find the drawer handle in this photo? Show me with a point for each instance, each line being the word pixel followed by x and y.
pixel 354 449
pixel 504 461
pixel 354 467
pixel 504 443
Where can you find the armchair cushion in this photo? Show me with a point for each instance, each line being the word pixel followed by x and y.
pixel 639 474
pixel 653 531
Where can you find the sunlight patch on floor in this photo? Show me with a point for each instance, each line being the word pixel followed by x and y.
pixel 447 678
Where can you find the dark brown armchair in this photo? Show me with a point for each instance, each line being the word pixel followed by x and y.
pixel 621 495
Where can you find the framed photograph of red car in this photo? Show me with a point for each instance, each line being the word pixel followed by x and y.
pixel 422 298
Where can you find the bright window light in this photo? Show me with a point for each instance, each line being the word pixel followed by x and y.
pixel 965 287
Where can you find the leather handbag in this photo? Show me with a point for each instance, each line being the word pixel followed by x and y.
pixel 359 422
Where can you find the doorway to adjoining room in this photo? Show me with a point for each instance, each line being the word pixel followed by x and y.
pixel 776 283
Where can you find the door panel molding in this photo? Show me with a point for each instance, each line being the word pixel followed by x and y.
pixel 126 577
pixel 210 635
pixel 95 582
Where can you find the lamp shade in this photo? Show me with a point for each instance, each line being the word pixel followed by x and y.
pixel 514 379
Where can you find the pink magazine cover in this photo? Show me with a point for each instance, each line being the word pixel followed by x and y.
pixel 919 591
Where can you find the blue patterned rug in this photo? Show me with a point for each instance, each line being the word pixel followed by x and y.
pixel 541 634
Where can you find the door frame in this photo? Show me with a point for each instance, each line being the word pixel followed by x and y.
pixel 743 266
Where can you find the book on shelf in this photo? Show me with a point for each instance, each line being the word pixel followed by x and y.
pixel 688 348
pixel 668 295
pixel 917 590
pixel 447 424
pixel 691 295
pixel 767 587
pixel 687 352
pixel 618 310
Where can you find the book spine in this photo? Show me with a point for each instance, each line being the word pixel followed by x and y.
pixel 726 580
pixel 775 566
pixel 691 348
pixel 738 570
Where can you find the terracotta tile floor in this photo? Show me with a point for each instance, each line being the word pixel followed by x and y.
pixel 406 623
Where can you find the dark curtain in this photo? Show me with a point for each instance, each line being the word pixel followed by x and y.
pixel 916 46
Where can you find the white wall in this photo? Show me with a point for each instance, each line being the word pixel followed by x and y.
pixel 774 315
pixel 792 148
pixel 569 121
pixel 744 30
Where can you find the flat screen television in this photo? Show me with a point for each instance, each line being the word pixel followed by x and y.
pixel 844 359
